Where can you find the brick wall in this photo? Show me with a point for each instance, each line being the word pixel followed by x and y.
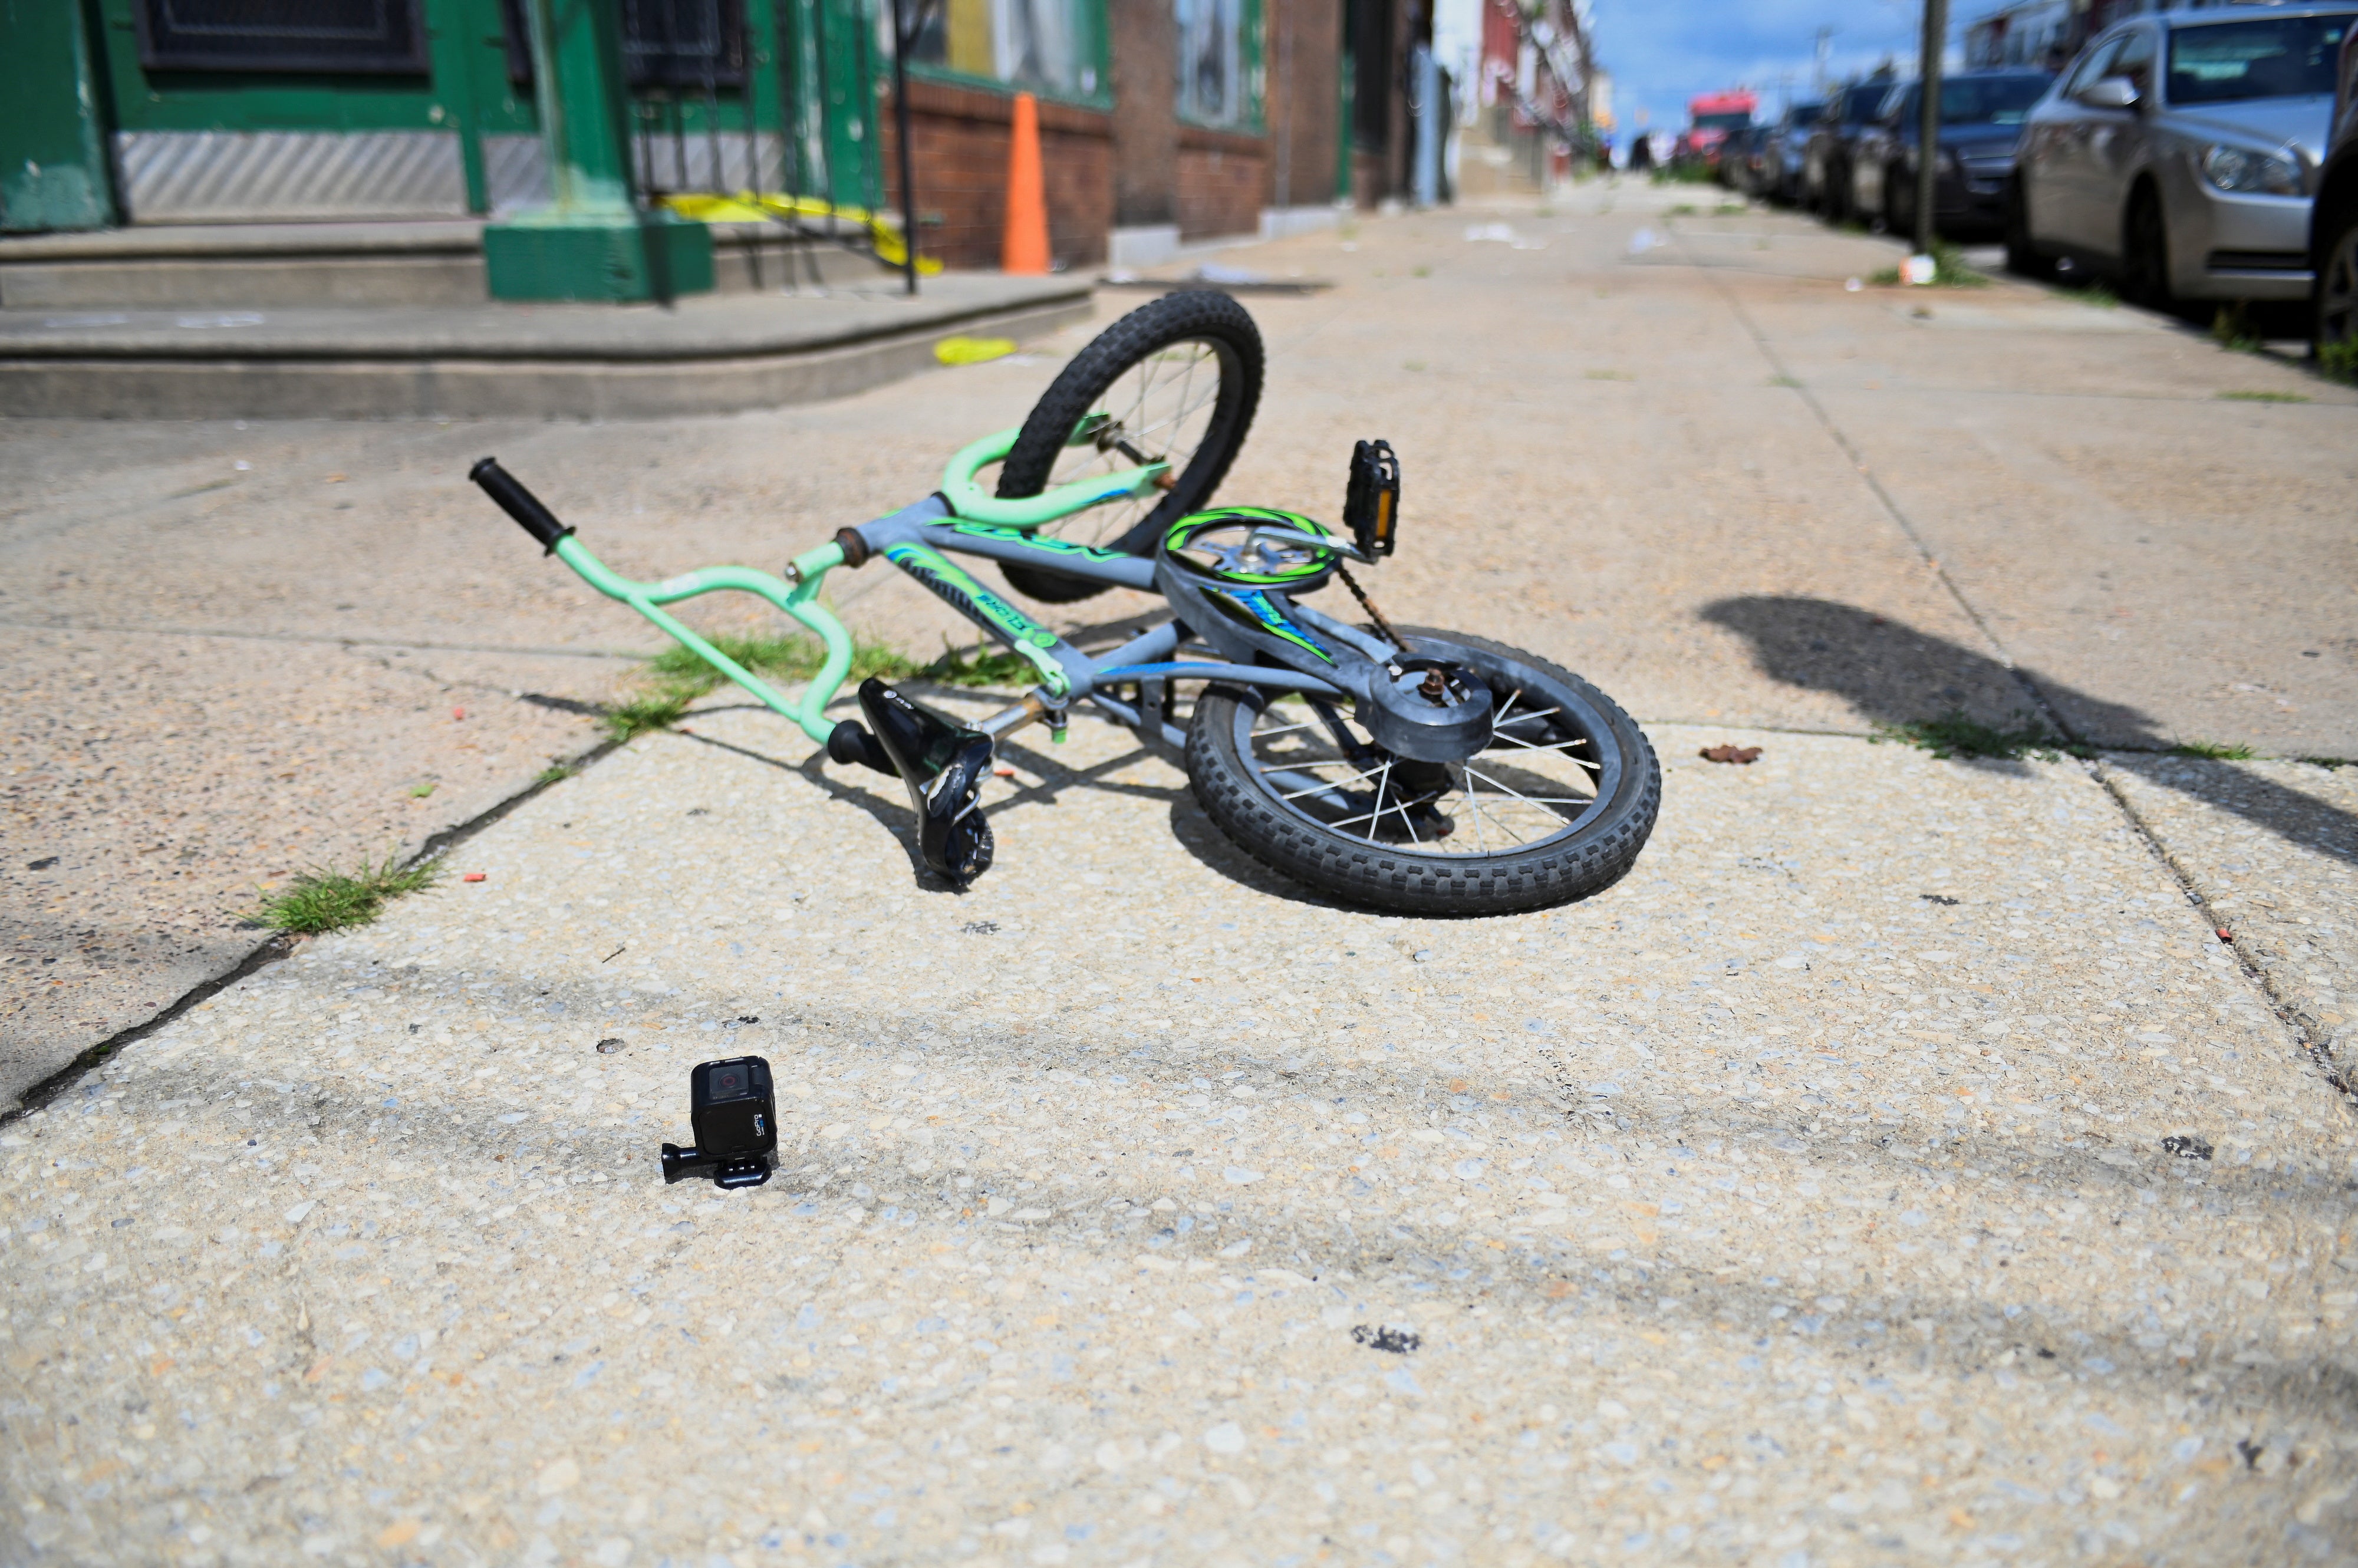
pixel 1223 179
pixel 959 142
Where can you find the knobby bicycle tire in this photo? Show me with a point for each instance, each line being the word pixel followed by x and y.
pixel 1190 317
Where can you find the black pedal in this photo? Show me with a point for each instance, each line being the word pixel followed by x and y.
pixel 735 1116
pixel 1372 504
pixel 943 763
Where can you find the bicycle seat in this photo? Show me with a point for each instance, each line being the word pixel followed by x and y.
pixel 942 763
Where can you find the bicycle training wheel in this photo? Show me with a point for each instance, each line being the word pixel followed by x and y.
pixel 1175 381
pixel 1554 806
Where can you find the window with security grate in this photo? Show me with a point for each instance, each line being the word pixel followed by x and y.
pixel 374 36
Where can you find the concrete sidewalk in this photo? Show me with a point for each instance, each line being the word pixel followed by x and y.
pixel 1803 1198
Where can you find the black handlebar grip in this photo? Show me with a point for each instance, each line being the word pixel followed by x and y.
pixel 519 502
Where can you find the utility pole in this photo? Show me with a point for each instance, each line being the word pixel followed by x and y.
pixel 1825 45
pixel 1927 134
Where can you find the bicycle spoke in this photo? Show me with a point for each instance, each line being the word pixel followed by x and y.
pixel 1338 783
pixel 1526 799
pixel 1481 815
pixel 1377 815
pixel 1474 800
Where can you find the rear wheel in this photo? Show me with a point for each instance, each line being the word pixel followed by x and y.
pixel 1554 806
pixel 2145 254
pixel 2022 254
pixel 1175 381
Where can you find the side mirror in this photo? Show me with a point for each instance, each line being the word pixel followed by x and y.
pixel 2112 93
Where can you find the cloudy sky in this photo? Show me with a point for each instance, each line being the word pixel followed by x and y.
pixel 1662 52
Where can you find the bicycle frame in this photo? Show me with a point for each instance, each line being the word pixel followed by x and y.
pixel 960 519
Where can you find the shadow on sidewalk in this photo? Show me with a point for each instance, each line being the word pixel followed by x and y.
pixel 1892 673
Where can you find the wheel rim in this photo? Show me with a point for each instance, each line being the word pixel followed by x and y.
pixel 1550 766
pixel 2337 304
pixel 1163 409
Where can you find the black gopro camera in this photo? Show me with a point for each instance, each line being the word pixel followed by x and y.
pixel 736 1122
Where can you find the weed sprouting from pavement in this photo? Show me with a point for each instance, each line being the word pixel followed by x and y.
pixel 2339 360
pixel 989 667
pixel 2262 397
pixel 555 773
pixel 1948 271
pixel 2216 750
pixel 2230 328
pixel 677 677
pixel 323 901
pixel 2097 293
pixel 1955 734
pixel 1730 209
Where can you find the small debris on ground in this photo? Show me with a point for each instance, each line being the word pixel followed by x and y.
pixel 609 1046
pixel 1394 1341
pixel 1741 755
pixel 2186 1146
pixel 472 877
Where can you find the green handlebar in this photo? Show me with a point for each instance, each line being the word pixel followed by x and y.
pixel 799 601
pixel 968 499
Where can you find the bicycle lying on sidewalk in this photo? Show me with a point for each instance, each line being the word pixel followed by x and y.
pixel 1401 768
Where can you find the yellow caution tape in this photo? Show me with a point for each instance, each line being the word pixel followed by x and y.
pixel 746 207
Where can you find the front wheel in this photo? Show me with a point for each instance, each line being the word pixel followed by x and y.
pixel 1554 805
pixel 2144 259
pixel 1175 381
pixel 2023 257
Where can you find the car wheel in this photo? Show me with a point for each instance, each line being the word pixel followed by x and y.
pixel 2144 253
pixel 2336 297
pixel 2022 256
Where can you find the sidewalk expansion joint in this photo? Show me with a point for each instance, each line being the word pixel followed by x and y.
pixel 326 639
pixel 279 945
pixel 2319 1051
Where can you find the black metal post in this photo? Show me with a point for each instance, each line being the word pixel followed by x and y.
pixel 903 36
pixel 1928 133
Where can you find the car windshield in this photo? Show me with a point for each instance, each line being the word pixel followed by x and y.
pixel 1736 122
pixel 1989 100
pixel 1860 104
pixel 2286 57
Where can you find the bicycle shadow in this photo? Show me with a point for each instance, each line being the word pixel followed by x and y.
pixel 1892 673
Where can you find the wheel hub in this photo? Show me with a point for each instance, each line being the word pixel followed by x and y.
pixel 1429 711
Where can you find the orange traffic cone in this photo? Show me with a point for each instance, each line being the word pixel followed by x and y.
pixel 1024 246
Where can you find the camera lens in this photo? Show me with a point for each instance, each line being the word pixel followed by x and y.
pixel 727 1082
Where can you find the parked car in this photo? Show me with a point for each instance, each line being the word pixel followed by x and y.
pixel 1982 114
pixel 2334 225
pixel 1825 157
pixel 1782 156
pixel 2180 154
pixel 1742 160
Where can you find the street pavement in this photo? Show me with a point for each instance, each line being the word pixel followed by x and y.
pixel 1897 1165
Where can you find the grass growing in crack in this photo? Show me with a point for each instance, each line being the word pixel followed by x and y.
pixel 2217 751
pixel 2099 294
pixel 323 901
pixel 1948 271
pixel 2338 362
pixel 2262 397
pixel 1954 734
pixel 2230 328
pixel 555 773
pixel 677 677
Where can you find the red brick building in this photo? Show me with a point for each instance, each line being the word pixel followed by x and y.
pixel 1163 122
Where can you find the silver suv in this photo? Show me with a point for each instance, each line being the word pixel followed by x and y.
pixel 2179 153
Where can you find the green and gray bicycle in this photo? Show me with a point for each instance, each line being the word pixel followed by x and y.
pixel 1398 767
